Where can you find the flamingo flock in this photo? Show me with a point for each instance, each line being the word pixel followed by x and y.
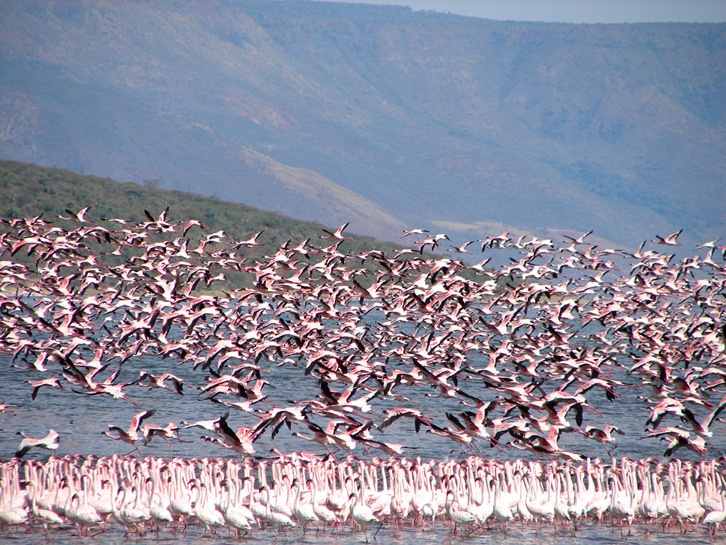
pixel 529 350
pixel 301 492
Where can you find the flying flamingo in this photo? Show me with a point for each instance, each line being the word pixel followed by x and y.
pixel 132 435
pixel 49 442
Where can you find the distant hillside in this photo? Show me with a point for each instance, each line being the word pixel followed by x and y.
pixel 379 115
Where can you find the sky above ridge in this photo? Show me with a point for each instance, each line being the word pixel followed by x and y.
pixel 573 11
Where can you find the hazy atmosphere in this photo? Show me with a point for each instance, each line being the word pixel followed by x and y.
pixel 575 11
pixel 380 116
pixel 340 273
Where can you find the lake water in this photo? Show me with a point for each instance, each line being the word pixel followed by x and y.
pixel 81 419
pixel 441 535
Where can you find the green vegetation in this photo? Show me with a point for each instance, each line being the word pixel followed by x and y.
pixel 28 190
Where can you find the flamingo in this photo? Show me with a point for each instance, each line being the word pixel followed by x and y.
pixel 49 442
pixel 715 518
pixel 132 435
pixel 458 516
pixel 304 511
pixel 338 234
pixel 206 513
pixel 82 514
pixel 44 516
pixel 362 514
pixel 236 516
pixel 278 520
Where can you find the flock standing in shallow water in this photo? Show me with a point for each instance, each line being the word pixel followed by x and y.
pixel 87 301
pixel 296 492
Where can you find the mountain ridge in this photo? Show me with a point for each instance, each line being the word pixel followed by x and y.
pixel 435 118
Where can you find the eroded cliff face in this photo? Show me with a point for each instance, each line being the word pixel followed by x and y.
pixel 378 115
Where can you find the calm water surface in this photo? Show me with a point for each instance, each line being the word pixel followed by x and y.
pixel 81 419
pixel 440 535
